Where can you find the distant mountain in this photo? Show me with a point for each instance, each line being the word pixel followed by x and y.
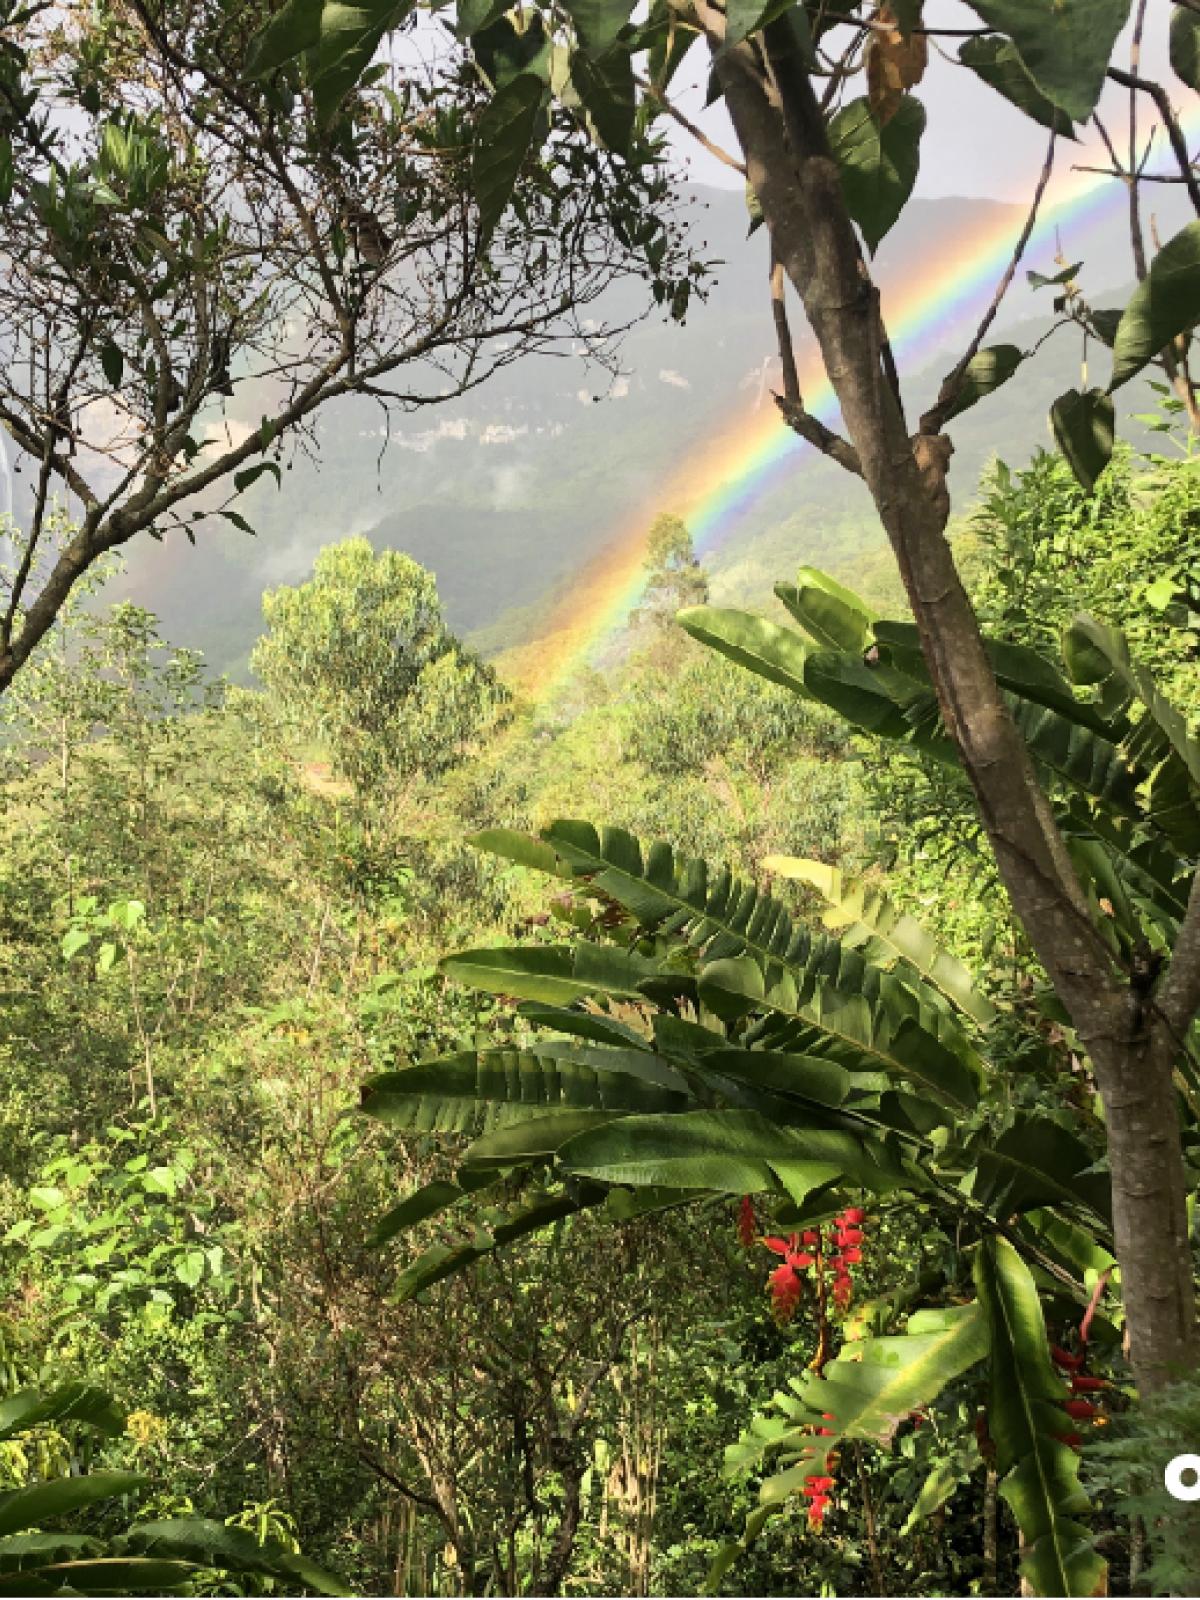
pixel 508 492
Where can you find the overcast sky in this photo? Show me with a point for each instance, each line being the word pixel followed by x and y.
pixel 975 143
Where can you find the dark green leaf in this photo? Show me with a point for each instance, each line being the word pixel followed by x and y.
pixel 295 28
pixel 1035 1163
pixel 73 1402
pixel 1083 429
pixel 27 1508
pixel 1065 44
pixel 996 61
pixel 985 373
pixel 1165 304
pixel 606 88
pixel 232 1549
pixel 598 22
pixel 242 480
pixel 1185 46
pixel 502 139
pixel 878 164
pixel 113 363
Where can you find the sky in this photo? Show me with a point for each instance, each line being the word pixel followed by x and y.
pixel 975 143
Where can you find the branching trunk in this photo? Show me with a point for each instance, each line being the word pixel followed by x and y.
pixel 782 133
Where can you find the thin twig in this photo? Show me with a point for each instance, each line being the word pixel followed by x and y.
pixel 1174 132
pixel 934 420
pixel 697 133
pixel 790 402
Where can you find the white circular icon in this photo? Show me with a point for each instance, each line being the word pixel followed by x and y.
pixel 1182 1477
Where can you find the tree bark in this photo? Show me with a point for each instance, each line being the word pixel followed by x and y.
pixel 782 134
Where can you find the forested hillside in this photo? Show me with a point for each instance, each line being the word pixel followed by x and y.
pixel 599 799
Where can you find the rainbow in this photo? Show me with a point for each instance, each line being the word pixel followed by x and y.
pixel 757 452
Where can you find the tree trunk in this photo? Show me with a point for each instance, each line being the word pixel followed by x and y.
pixel 789 166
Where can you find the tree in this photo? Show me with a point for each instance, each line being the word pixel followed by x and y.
pixel 829 173
pixel 674 577
pixel 178 233
pixel 360 656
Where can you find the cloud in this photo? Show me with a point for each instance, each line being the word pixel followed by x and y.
pixel 675 379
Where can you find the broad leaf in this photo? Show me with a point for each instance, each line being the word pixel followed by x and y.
pixel 216 1544
pixel 985 373
pixel 1083 426
pixel 28 1507
pixel 295 28
pixel 1037 1163
pixel 833 617
pixel 606 88
pixel 100 1575
pixel 1164 305
pixel 738 1152
pixel 997 62
pixel 502 138
pixel 1065 44
pixel 521 848
pixel 443 1261
pixel 1039 1473
pixel 598 22
pixel 73 1402
pixel 878 162
pixel 1185 46
pixel 763 647
pixel 551 974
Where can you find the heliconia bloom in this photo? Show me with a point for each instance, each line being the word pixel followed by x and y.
pixel 747 1223
pixel 849 1236
pixel 852 1254
pixel 1073 1439
pixel 781 1247
pixel 818 1485
pixel 786 1286
pixel 1081 1410
pixel 853 1216
pixel 1081 1384
pixel 817 1507
pixel 810 1236
pixel 1064 1358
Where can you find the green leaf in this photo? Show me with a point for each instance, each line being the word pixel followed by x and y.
pixel 231 1549
pixel 502 138
pixel 598 22
pixel 1185 47
pixel 1039 1474
pixel 1165 304
pixel 443 1261
pixel 447 1095
pixel 1083 430
pixel 473 16
pixel 997 62
pixel 832 616
pixel 73 1402
pixel 985 373
pixel 295 28
pixel 737 1152
pixel 942 1482
pixel 533 1140
pixel 606 88
pixel 521 848
pixel 102 1575
pixel 865 1394
pixel 113 363
pixel 243 480
pixel 878 164
pixel 1065 44
pixel 189 1269
pixel 552 974
pixel 1036 1163
pixel 26 1508
pixel 349 38
pixel 1040 280
pixel 75 940
pixel 772 652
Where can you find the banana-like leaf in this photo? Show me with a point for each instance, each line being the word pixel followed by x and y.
pixel 447 1095
pixel 1036 1163
pixel 22 1551
pixel 867 920
pixel 430 1200
pixel 1039 1473
pixel 737 1152
pixel 552 974
pixel 100 1575
pixel 866 1393
pixel 843 1026
pixel 444 1260
pixel 832 616
pixel 73 1402
pixel 775 653
pixel 534 1140
pixel 27 1507
pixel 206 1543
pixel 523 849
pixel 805 1077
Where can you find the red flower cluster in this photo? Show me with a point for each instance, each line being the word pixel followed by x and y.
pixel 845 1253
pixel 818 1493
pixel 785 1283
pixel 1078 1410
pixel 842 1251
pixel 747 1223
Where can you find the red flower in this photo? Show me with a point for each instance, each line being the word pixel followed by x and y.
pixel 849 1236
pixel 1064 1358
pixel 817 1507
pixel 851 1254
pixel 1084 1385
pixel 747 1223
pixel 853 1216
pixel 810 1236
pixel 1073 1439
pixel 1081 1410
pixel 818 1485
pixel 786 1285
